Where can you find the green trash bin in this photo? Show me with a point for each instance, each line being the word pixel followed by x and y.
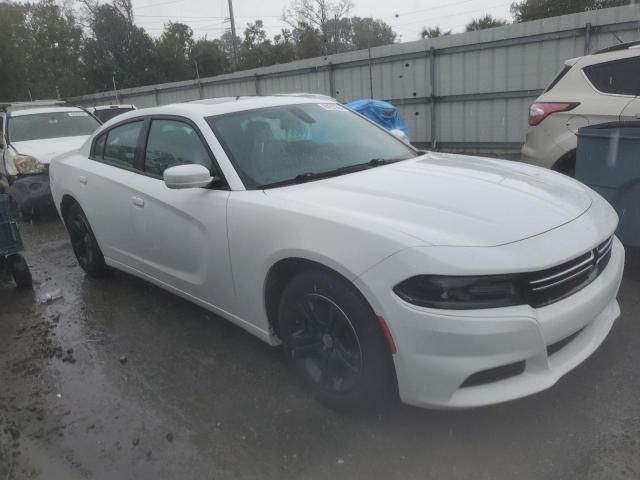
pixel 608 160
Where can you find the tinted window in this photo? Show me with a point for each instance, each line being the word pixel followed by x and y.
pixel 558 77
pixel 272 145
pixel 105 115
pixel 621 77
pixel 99 148
pixel 172 143
pixel 121 144
pixel 50 125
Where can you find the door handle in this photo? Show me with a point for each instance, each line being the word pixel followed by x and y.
pixel 82 179
pixel 137 201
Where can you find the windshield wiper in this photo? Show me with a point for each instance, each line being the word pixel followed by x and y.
pixel 310 176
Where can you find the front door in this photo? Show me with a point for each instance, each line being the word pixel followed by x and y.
pixel 182 234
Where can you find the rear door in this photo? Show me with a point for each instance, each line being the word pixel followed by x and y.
pixel 106 186
pixel 182 234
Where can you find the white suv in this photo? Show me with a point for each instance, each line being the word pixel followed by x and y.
pixel 31 134
pixel 597 88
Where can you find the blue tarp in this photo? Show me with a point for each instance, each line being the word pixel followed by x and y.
pixel 382 113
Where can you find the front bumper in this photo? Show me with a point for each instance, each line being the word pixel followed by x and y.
pixel 438 350
pixel 32 192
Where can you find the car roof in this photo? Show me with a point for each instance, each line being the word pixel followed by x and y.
pixel 616 52
pixel 109 107
pixel 35 111
pixel 222 105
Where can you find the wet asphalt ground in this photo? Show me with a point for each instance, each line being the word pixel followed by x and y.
pixel 118 379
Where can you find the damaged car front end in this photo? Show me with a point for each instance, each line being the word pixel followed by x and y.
pixel 33 134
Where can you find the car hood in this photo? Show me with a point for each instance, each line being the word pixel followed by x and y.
pixel 45 150
pixel 444 199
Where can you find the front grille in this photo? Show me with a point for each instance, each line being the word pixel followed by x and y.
pixel 491 375
pixel 556 283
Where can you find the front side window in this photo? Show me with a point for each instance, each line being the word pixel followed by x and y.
pixel 274 145
pixel 171 143
pixel 98 150
pixel 121 144
pixel 621 77
pixel 40 126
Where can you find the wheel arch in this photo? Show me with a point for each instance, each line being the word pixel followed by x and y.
pixel 282 271
pixel 566 164
pixel 66 203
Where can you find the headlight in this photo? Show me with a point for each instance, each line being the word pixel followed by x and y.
pixel 28 165
pixel 461 293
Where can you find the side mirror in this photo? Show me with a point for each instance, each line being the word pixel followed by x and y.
pixel 187 176
pixel 400 134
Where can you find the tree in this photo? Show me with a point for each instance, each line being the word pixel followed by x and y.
pixel 527 10
pixel 284 48
pixel 308 41
pixel 483 23
pixel 433 32
pixel 255 50
pixel 317 14
pixel 173 50
pixel 210 57
pixel 370 31
pixel 14 81
pixel 53 58
pixel 226 41
pixel 117 48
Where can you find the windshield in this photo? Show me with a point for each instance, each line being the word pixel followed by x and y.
pixel 108 114
pixel 40 126
pixel 273 145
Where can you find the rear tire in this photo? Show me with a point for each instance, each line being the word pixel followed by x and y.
pixel 334 344
pixel 20 271
pixel 566 165
pixel 84 243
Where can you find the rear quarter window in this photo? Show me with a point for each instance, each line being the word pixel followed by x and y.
pixel 620 77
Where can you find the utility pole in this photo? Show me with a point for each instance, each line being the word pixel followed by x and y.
pixel 233 34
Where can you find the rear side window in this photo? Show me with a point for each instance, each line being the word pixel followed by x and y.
pixel 121 145
pixel 558 77
pixel 621 77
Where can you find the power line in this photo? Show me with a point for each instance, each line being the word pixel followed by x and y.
pixel 437 19
pixel 157 4
pixel 396 15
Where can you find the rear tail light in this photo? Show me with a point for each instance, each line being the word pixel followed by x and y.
pixel 539 111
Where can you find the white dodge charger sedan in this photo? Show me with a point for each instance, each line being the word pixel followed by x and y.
pixel 448 280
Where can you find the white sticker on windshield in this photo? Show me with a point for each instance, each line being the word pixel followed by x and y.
pixel 333 106
pixel 78 114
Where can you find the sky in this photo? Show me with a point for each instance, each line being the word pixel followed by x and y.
pixel 406 17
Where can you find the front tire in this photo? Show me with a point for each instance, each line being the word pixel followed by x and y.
pixel 333 342
pixel 84 243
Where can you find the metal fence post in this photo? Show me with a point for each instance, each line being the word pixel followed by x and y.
pixel 257 84
pixel 587 38
pixel 156 97
pixel 332 81
pixel 432 96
